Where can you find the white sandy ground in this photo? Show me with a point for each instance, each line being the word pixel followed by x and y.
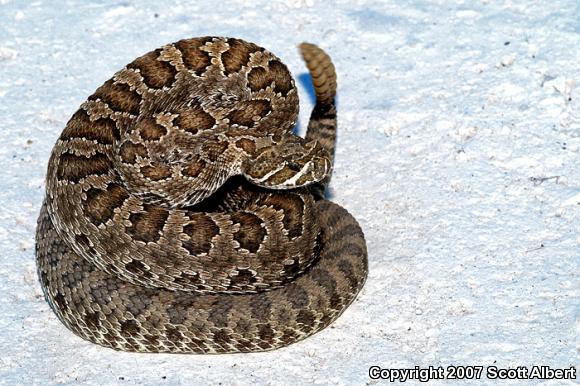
pixel 458 153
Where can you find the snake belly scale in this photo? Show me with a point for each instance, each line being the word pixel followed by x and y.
pixel 182 215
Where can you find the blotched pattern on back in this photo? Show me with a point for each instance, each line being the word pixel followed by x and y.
pixel 183 215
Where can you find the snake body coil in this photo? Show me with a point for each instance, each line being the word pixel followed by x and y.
pixel 182 214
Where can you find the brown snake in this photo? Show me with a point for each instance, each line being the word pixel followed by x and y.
pixel 183 215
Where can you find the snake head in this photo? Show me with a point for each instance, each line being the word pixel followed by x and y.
pixel 286 164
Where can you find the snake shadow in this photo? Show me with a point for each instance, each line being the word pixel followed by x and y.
pixel 306 83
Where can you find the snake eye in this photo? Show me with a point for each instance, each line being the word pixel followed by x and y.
pixel 294 166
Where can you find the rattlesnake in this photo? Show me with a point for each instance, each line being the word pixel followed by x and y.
pixel 182 215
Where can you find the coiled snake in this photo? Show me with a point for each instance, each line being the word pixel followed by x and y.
pixel 183 215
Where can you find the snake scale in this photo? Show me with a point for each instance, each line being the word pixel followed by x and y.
pixel 182 214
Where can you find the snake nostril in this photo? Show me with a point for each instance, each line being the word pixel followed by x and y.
pixel 294 166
